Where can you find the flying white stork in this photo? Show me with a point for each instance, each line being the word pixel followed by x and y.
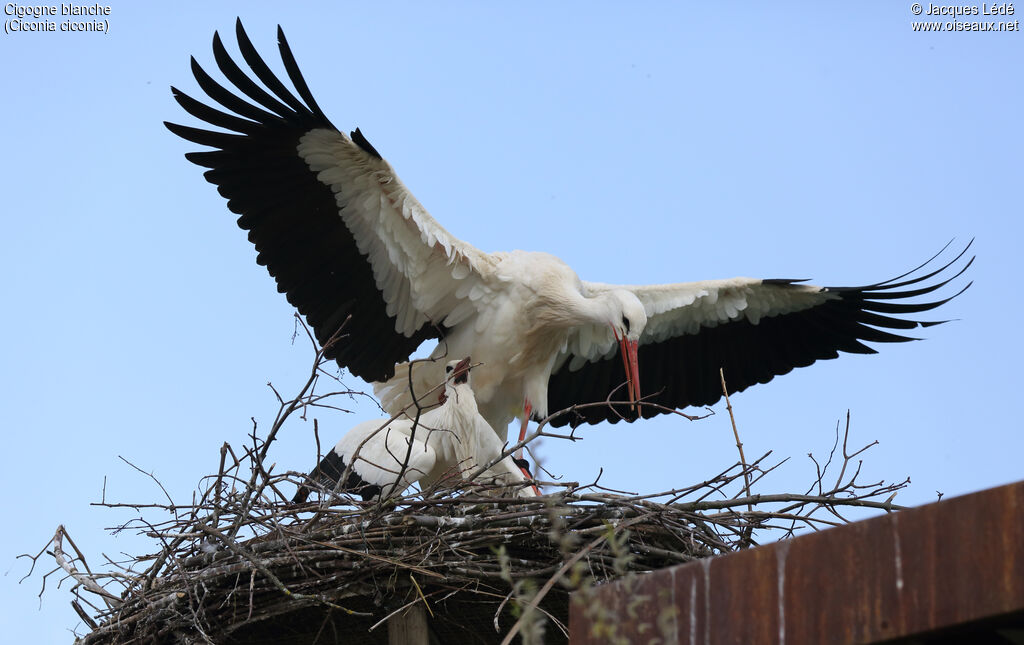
pixel 346 241
pixel 384 457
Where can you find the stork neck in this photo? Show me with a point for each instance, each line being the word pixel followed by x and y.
pixel 597 309
pixel 461 402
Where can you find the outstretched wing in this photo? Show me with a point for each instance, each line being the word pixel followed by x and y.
pixel 329 218
pixel 753 329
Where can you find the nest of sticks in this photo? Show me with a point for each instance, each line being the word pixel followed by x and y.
pixel 242 564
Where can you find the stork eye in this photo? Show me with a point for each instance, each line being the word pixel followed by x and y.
pixel 448 369
pixel 625 323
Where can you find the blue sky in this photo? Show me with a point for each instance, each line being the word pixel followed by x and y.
pixel 641 143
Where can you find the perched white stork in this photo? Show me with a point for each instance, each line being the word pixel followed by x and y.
pixel 346 240
pixel 384 457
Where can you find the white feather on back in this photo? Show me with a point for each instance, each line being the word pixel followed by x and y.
pixel 376 452
pixel 448 440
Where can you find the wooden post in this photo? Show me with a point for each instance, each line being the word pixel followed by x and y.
pixel 409 627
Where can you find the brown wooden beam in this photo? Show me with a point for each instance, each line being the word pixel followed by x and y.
pixel 409 627
pixel 914 572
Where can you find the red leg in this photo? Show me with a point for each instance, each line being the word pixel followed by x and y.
pixel 527 410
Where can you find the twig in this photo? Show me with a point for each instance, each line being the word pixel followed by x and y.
pixel 736 434
pixel 86 581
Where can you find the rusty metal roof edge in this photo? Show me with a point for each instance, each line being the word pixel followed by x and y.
pixel 922 569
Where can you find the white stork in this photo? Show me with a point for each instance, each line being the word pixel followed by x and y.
pixel 346 240
pixel 384 457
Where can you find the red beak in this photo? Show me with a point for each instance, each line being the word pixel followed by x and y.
pixel 628 349
pixel 461 372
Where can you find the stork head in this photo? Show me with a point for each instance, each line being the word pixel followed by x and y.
pixel 458 371
pixel 628 321
pixel 629 318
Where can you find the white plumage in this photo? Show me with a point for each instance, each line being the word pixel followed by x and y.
pixel 355 251
pixel 382 457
